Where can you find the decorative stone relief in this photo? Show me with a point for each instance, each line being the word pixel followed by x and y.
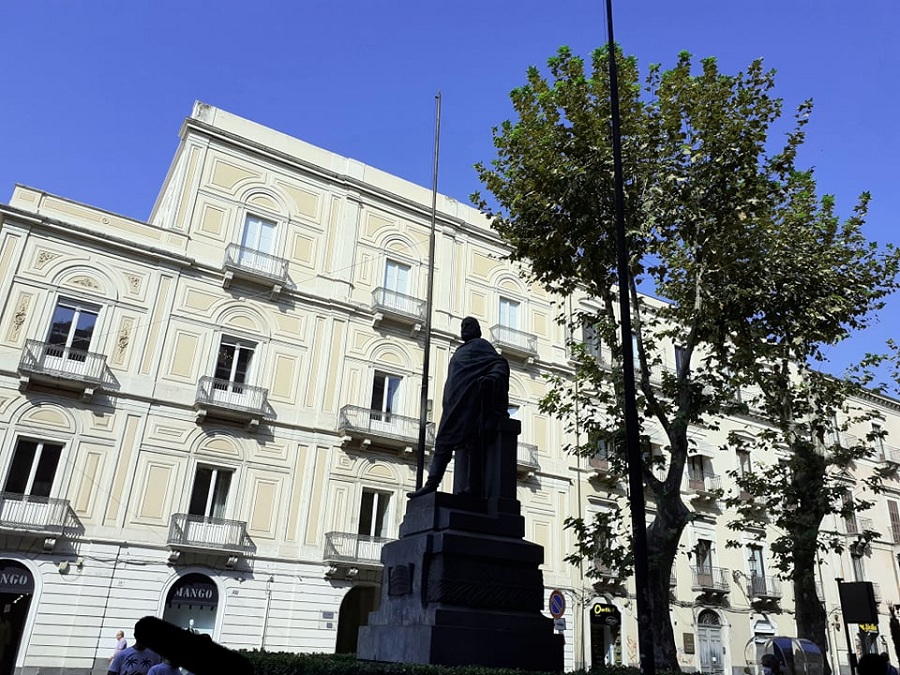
pixel 19 317
pixel 86 282
pixel 123 339
pixel 43 257
pixel 134 283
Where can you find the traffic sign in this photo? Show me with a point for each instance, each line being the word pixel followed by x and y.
pixel 557 604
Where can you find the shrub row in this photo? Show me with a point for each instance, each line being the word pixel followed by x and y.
pixel 285 663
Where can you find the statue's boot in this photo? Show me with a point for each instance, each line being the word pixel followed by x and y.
pixel 439 463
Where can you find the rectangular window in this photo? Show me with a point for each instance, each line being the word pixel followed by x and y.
pixel 509 313
pixel 396 288
pixel 258 235
pixel 600 458
pixel 859 570
pixel 233 362
pixel 591 339
pixel 257 246
pixel 396 277
pixel 757 567
pixel 850 524
pixel 834 433
pixel 209 496
pixel 373 509
pixel 704 553
pixel 385 396
pixel 894 512
pixel 697 471
pixel 33 468
pixel 71 332
pixel 878 439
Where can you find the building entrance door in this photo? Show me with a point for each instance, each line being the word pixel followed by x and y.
pixel 193 603
pixel 354 612
pixel 606 645
pixel 709 640
pixel 16 591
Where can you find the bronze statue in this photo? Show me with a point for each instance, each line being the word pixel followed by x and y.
pixel 476 395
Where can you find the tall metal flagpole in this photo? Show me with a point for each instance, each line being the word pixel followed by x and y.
pixel 632 441
pixel 426 364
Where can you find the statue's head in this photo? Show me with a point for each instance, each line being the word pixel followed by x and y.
pixel 469 329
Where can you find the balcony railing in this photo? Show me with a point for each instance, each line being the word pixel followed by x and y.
pixel 765 588
pixel 890 453
pixel 397 304
pixel 385 425
pixel 230 395
pixel 348 547
pixel 705 483
pixel 527 457
pixel 204 533
pixel 708 579
pixel 508 339
pixel 59 361
pixel 250 262
pixel 37 515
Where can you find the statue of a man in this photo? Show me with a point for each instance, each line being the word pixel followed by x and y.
pixel 476 371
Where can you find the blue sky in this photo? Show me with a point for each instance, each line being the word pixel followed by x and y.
pixel 94 92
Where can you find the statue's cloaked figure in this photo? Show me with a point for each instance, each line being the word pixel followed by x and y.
pixel 476 395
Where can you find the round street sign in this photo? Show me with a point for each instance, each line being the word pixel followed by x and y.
pixel 557 604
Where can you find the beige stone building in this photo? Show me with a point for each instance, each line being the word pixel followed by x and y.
pixel 211 417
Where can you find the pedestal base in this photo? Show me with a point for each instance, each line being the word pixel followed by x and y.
pixel 462 587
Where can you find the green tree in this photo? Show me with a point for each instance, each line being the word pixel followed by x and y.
pixel 710 214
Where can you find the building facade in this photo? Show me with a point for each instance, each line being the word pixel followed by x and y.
pixel 211 417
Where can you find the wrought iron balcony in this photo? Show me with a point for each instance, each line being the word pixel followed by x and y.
pixel 354 549
pixel 599 461
pixel 385 428
pixel 710 579
pixel 606 576
pixel 890 453
pixel 231 400
pixel 527 457
pixel 514 342
pixel 764 588
pixel 42 361
pixel 704 484
pixel 398 306
pixel 42 516
pixel 206 534
pixel 252 265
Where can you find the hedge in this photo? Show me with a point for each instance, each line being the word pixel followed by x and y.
pixel 286 663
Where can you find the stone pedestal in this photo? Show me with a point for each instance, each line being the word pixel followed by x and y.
pixel 461 586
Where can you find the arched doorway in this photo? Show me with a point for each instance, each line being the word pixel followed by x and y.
pixel 709 639
pixel 606 643
pixel 192 603
pixel 16 591
pixel 354 612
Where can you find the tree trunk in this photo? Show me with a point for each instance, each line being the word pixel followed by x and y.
pixel 811 619
pixel 663 536
pixel 807 483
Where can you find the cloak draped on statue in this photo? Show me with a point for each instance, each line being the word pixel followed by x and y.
pixel 473 360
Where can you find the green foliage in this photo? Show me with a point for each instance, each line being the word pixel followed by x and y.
pixel 286 663
pixel 757 272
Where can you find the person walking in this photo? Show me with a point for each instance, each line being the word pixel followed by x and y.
pixel 121 644
pixel 164 668
pixel 134 660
